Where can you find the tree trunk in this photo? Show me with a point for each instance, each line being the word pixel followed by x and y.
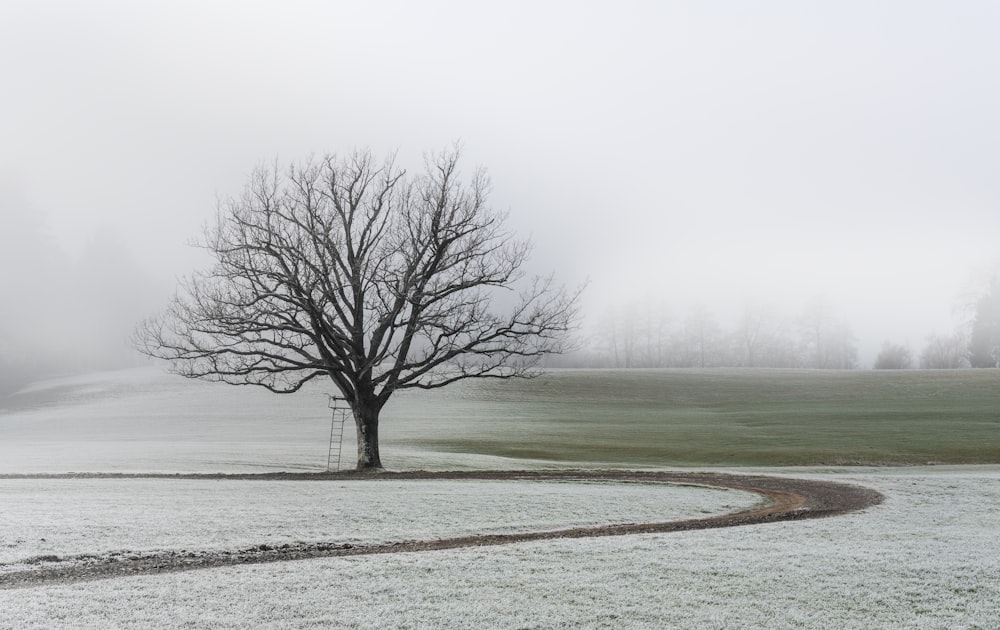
pixel 366 420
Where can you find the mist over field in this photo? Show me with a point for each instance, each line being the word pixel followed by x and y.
pixel 798 187
pixel 684 158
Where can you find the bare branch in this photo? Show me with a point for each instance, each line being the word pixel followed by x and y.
pixel 344 268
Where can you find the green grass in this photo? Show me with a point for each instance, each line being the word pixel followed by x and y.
pixel 734 417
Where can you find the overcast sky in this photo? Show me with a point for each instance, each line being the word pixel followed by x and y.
pixel 690 152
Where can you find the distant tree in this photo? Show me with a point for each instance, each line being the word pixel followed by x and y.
pixel 353 271
pixel 8 365
pixel 893 357
pixel 35 290
pixel 618 332
pixel 944 352
pixel 827 340
pixel 760 339
pixel 110 292
pixel 634 335
pixel 654 327
pixel 984 337
pixel 748 335
pixel 702 339
pixel 60 314
pixel 20 363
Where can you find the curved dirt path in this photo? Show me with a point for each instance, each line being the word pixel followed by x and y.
pixel 789 499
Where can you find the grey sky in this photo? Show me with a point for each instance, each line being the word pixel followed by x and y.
pixel 692 151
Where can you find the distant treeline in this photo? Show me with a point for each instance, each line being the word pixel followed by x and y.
pixel 65 313
pixel 645 336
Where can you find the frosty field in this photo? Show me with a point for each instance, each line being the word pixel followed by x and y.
pixel 67 517
pixel 928 557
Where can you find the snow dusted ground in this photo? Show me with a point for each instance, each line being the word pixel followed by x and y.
pixel 67 517
pixel 929 557
pixel 144 420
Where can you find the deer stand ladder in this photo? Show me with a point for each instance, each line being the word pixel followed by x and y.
pixel 339 409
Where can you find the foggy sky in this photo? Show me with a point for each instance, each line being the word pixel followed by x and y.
pixel 691 152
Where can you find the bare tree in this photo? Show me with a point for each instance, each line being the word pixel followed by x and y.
pixel 759 339
pixel 655 326
pixel 701 339
pixel 984 334
pixel 827 340
pixel 634 335
pixel 944 352
pixel 353 271
pixel 618 333
pixel 893 356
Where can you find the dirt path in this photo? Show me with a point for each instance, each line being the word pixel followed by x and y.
pixel 789 499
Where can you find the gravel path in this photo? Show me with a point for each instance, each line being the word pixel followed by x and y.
pixel 789 499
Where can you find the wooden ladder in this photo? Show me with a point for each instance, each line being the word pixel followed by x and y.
pixel 338 418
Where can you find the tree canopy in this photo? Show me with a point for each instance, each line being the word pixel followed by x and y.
pixel 352 270
pixel 984 337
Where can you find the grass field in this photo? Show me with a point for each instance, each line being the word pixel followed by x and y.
pixel 147 420
pixel 928 557
pixel 734 417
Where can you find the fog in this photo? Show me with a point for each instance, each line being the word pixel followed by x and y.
pixel 680 153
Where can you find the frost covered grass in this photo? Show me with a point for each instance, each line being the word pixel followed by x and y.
pixel 69 517
pixel 726 417
pixel 927 558
pixel 144 420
